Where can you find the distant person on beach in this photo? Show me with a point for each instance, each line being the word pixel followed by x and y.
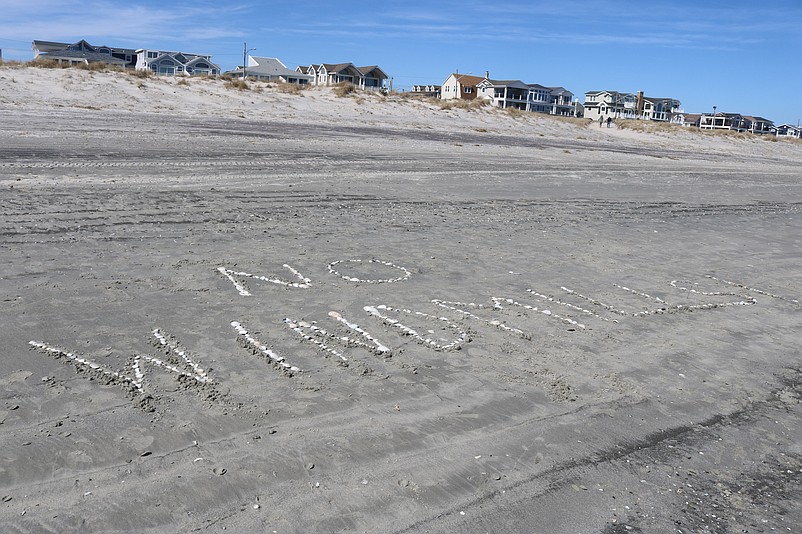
pixel 609 120
pixel 601 121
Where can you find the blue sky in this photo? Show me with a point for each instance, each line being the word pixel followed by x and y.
pixel 742 56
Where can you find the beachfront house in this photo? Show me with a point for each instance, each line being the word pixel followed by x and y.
pixel 430 90
pixel 83 53
pixel 722 121
pixel 505 94
pixel 620 105
pixel 609 104
pixel 533 97
pixel 758 125
pixel 509 94
pixel 374 78
pixel 736 122
pixel 539 98
pixel 270 69
pixel 175 63
pixel 159 61
pixel 686 119
pixel 371 77
pixel 561 101
pixel 656 109
pixel 788 130
pixel 460 87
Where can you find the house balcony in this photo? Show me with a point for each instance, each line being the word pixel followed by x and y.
pixel 721 123
pixel 660 116
pixel 371 84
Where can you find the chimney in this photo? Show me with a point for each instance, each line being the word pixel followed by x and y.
pixel 487 74
pixel 639 103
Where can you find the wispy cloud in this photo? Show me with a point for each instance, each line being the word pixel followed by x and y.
pixel 569 22
pixel 122 22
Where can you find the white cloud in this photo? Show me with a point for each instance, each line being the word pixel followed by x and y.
pixel 120 22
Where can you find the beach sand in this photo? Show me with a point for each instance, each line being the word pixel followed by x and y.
pixel 258 311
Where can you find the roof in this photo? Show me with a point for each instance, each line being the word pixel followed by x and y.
pixel 656 99
pixel 337 67
pixel 372 68
pixel 189 55
pixel 80 50
pixel 559 89
pixel 467 79
pixel 47 46
pixel 83 54
pixel 609 92
pixel 198 59
pixel 271 65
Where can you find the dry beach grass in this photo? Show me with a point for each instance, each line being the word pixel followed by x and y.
pixel 258 311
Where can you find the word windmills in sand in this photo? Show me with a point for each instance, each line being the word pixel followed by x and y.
pixel 517 315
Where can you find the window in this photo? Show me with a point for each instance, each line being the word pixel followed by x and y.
pixel 152 55
pixel 467 90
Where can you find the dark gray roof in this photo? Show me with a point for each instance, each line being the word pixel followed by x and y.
pixel 337 67
pixel 519 83
pixel 82 54
pixel 270 66
pixel 53 46
pixel 756 119
pixel 656 99
pixel 372 68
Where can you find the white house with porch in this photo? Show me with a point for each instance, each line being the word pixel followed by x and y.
pixel 533 97
pixel 175 63
pixel 759 125
pixel 370 77
pixel 737 123
pixel 561 101
pixel 657 109
pixel 505 94
pixel 788 130
pixel 609 104
pixel 722 121
pixel 619 105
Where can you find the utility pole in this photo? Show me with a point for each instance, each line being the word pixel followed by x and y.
pixel 245 51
